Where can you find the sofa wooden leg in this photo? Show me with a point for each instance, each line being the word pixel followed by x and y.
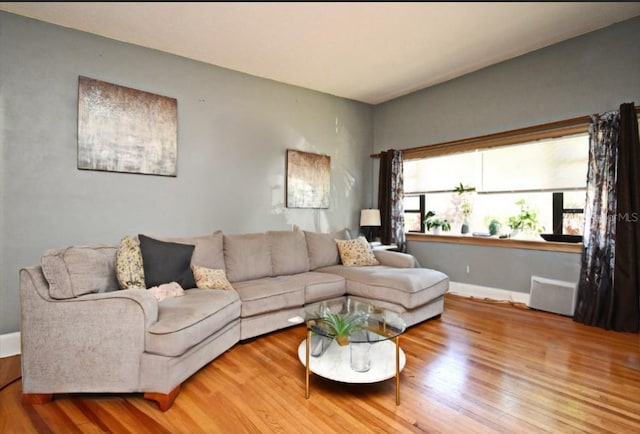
pixel 165 401
pixel 36 398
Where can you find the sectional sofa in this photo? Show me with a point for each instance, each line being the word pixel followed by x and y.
pixel 82 333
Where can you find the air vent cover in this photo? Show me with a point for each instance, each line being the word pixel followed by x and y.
pixel 553 295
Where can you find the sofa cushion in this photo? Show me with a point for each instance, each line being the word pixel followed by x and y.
pixel 322 286
pixel 322 248
pixel 186 321
pixel 288 252
pixel 356 253
pixel 247 257
pixel 208 278
pixel 166 262
pixel 270 294
pixel 208 250
pixel 409 287
pixel 78 270
pixel 129 268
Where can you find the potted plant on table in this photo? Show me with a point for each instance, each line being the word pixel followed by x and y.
pixel 342 325
pixel 431 221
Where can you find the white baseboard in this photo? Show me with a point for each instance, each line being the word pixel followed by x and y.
pixel 10 344
pixel 468 290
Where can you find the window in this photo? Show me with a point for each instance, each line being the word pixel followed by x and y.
pixel 546 176
pixel 413 213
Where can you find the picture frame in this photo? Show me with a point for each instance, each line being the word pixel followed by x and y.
pixel 308 180
pixel 126 130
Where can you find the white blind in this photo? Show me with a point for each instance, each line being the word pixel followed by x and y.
pixel 442 173
pixel 543 165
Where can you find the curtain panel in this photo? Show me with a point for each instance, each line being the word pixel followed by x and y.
pixel 594 302
pixel 390 199
pixel 608 295
pixel 626 277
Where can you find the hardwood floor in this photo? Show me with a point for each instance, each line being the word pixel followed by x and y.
pixel 481 367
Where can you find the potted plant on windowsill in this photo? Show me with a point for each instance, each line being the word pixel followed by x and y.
pixel 466 206
pixel 437 224
pixel 525 220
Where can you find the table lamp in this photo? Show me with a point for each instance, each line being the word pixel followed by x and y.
pixel 369 218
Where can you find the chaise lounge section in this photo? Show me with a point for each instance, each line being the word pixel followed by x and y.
pixel 81 333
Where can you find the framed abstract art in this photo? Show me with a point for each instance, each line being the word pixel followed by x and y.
pixel 126 130
pixel 308 180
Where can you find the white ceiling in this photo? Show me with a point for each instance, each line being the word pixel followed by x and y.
pixel 366 51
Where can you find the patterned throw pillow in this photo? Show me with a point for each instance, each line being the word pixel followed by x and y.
pixel 356 253
pixel 210 279
pixel 129 269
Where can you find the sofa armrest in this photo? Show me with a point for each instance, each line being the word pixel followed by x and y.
pixel 395 259
pixel 145 300
pixel 85 344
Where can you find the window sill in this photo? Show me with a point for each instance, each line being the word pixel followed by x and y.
pixel 497 242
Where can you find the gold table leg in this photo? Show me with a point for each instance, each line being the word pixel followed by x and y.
pixel 397 339
pixel 307 363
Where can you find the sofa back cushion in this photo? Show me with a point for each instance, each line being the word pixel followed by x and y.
pixel 288 252
pixel 322 248
pixel 78 270
pixel 208 250
pixel 247 257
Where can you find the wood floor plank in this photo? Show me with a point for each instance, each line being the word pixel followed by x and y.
pixel 481 367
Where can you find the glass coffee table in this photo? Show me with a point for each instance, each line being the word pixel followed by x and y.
pixel 352 342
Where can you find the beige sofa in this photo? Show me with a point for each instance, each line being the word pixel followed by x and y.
pixel 81 333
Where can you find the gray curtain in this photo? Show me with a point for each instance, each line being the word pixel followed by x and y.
pixel 606 297
pixel 390 199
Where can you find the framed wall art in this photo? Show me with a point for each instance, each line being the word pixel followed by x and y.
pixel 308 180
pixel 126 130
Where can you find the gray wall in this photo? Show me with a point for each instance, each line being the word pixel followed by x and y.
pixel 588 74
pixel 234 130
pixel 233 133
pixel 496 267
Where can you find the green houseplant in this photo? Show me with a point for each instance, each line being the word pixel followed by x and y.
pixel 341 325
pixel 525 220
pixel 430 221
pixel 494 227
pixel 466 206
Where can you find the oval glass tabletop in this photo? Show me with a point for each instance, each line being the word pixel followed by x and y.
pixel 353 320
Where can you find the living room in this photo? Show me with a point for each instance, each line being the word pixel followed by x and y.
pixel 234 129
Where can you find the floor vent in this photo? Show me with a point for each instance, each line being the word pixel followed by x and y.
pixel 553 295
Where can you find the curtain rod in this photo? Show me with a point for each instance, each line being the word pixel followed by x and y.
pixel 563 124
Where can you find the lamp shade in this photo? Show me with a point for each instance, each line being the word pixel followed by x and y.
pixel 370 217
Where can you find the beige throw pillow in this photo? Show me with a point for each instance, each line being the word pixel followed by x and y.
pixel 129 267
pixel 209 278
pixel 356 253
